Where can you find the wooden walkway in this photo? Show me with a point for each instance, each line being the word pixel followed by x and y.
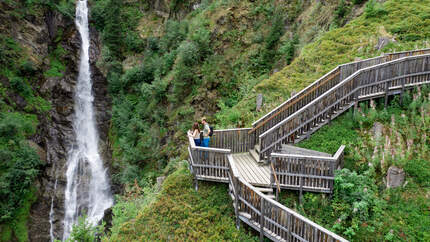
pixel 256 160
pixel 252 172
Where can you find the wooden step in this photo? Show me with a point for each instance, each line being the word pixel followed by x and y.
pixel 257 149
pixel 264 189
pixel 245 215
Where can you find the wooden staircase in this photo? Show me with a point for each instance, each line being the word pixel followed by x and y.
pixel 252 159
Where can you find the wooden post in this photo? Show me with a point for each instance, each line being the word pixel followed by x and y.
pixel 403 89
pixel 302 168
pixel 236 200
pixel 386 94
pixel 261 219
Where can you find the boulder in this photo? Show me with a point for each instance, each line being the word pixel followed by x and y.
pixel 383 41
pixel 160 181
pixel 395 177
pixel 259 101
pixel 377 130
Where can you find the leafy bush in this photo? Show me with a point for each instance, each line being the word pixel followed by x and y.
pixel 188 53
pixel 18 162
pixel 20 85
pixel 355 201
pixel 288 49
pixel 84 231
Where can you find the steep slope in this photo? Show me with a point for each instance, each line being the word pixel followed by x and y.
pixel 360 38
pixel 402 25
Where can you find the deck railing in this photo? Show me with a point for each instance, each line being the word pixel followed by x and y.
pixel 305 172
pixel 319 87
pixel 238 140
pixel 375 81
pixel 209 164
pixel 271 218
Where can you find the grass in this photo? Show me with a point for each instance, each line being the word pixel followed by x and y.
pixel 179 213
pixel 404 20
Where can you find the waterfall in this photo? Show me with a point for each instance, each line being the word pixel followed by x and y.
pixel 87 190
pixel 51 214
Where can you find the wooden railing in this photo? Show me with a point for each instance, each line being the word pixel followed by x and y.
pixel 375 81
pixel 238 140
pixel 271 218
pixel 319 87
pixel 209 164
pixel 305 172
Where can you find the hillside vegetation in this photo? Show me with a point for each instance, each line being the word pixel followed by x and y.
pixel 198 54
pixel 214 61
pixel 168 64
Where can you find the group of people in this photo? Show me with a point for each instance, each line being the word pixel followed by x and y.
pixel 201 138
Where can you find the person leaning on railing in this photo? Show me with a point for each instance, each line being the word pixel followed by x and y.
pixel 195 134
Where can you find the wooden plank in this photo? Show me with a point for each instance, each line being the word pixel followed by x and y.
pixel 255 176
pixel 240 167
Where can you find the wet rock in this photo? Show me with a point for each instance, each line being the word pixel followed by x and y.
pixel 395 177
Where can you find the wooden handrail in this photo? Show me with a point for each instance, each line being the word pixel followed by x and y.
pixel 281 108
pixel 310 157
pixel 294 102
pixel 332 90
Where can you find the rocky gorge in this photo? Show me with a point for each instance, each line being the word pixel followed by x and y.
pixel 40 34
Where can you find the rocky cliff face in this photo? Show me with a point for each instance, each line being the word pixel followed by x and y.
pixel 39 34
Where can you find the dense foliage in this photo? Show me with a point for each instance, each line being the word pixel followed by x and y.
pixel 19 165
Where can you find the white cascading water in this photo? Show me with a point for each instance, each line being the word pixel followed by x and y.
pixel 51 214
pixel 87 190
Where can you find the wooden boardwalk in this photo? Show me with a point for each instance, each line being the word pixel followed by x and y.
pixel 256 160
pixel 252 172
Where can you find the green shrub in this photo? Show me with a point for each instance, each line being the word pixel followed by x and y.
pixel 374 9
pixel 20 85
pixel 419 170
pixel 358 1
pixel 19 164
pixel 83 231
pixel 188 53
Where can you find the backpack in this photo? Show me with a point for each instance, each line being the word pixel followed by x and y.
pixel 211 132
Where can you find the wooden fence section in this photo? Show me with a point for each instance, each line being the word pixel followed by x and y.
pixel 209 164
pixel 304 172
pixel 319 87
pixel 238 140
pixel 374 81
pixel 271 218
